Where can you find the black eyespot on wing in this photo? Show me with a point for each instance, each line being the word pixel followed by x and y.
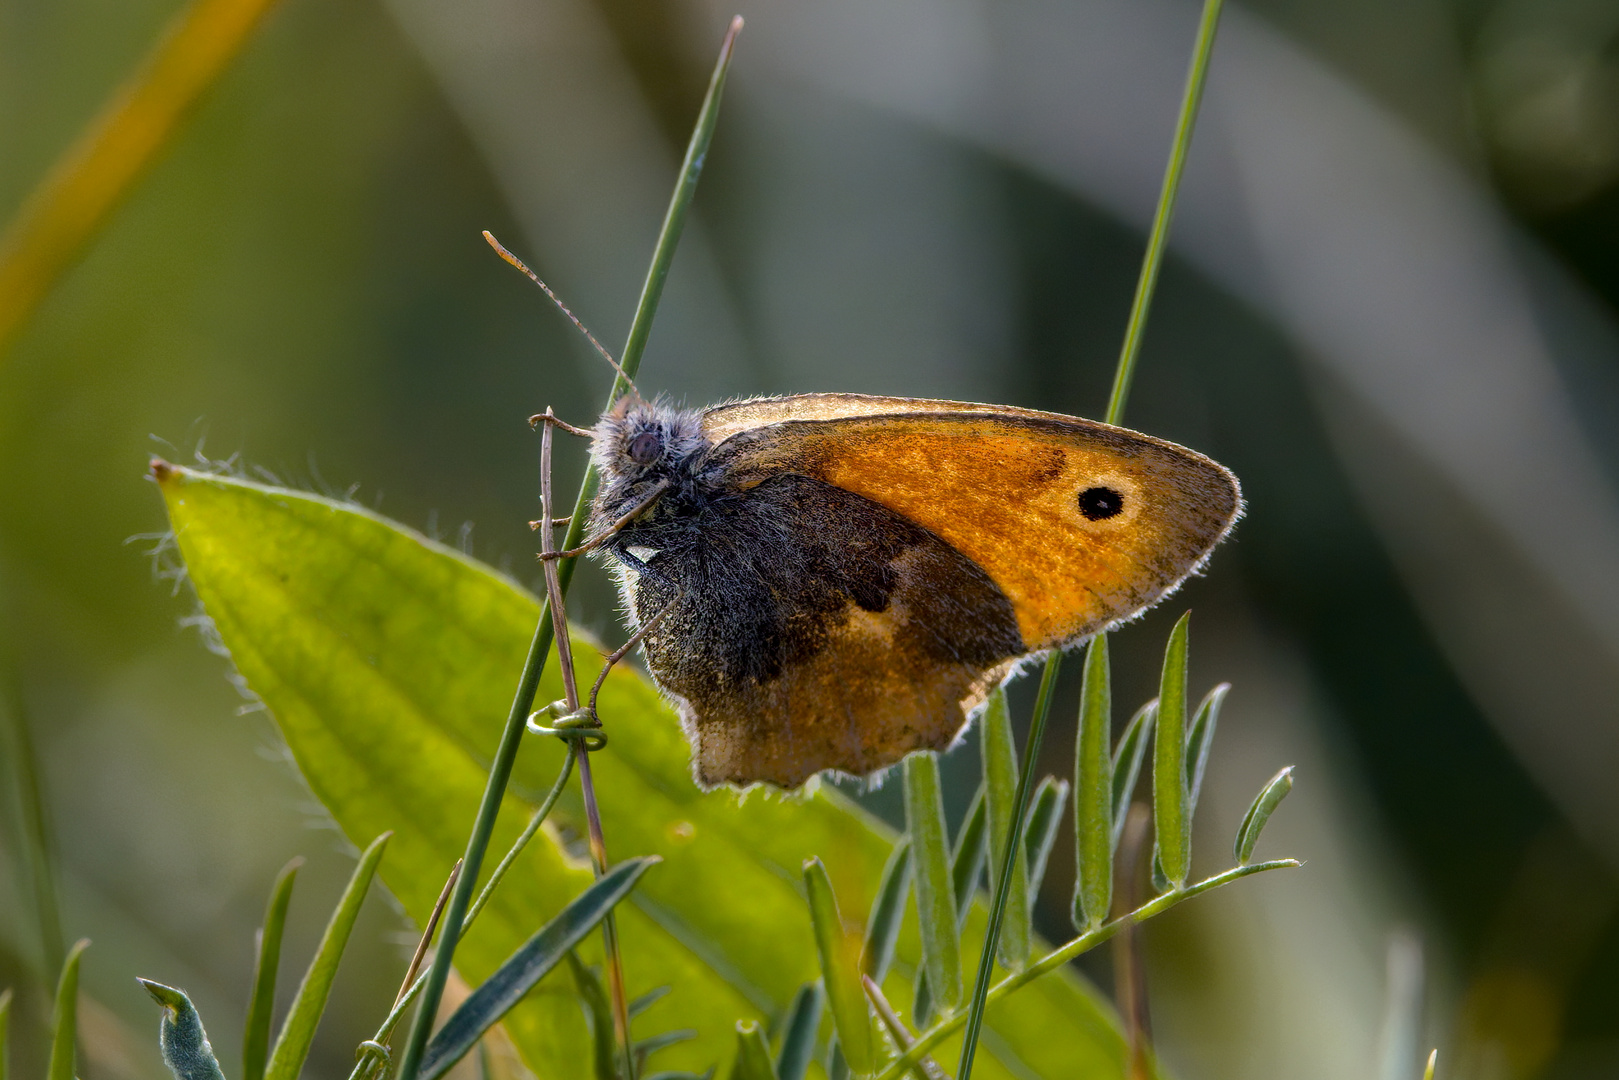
pixel 1100 503
pixel 645 447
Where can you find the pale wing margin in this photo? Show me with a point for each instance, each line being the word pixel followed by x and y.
pixel 733 417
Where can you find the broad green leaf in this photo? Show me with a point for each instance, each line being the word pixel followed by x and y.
pixel 752 1053
pixel 1170 821
pixel 887 912
pixel 935 891
pixel 1000 787
pixel 528 965
pixel 1093 791
pixel 256 1034
pixel 839 954
pixel 388 663
pixel 298 1030
pixel 798 1032
pixel 185 1044
pixel 65 1016
pixel 1253 822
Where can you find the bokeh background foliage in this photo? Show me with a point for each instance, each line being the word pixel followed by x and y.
pixel 1388 308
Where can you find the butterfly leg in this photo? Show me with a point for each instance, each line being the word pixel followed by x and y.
pixel 551 419
pixel 623 650
pixel 614 529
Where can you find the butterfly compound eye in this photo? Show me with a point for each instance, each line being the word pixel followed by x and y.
pixel 644 448
pixel 1100 503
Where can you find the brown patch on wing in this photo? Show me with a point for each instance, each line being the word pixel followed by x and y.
pixel 1003 487
pixel 809 628
pixel 873 694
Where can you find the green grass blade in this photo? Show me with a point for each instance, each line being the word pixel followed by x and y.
pixel 5 1033
pixel 1433 1061
pixel 648 999
pixel 840 972
pixel 1127 760
pixel 1253 822
pixel 887 912
pixel 34 824
pixel 798 1032
pixel 1040 832
pixel 256 1036
pixel 603 1045
pixel 997 912
pixel 752 1054
pixel 65 1016
pixel 1199 741
pixel 515 978
pixel 674 219
pixel 1094 796
pixel 528 683
pixel 1171 823
pixel 935 892
pixel 645 1048
pixel 1001 788
pixel 186 1050
pixel 298 1030
pixel 1152 261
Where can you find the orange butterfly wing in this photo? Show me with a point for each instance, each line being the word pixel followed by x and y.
pixel 1003 486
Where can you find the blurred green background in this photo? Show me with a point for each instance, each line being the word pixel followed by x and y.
pixel 1389 307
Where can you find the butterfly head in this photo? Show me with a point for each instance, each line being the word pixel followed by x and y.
pixel 641 443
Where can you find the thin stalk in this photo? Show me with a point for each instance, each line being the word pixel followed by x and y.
pixel 1146 284
pixel 1014 846
pixel 570 690
pixel 1158 237
pixel 925 1068
pixel 511 737
pixel 1062 955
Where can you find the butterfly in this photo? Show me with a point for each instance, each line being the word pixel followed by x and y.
pixel 831 581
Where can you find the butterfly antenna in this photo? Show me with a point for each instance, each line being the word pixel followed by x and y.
pixel 504 253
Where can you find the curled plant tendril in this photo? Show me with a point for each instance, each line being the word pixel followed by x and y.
pixel 372 1049
pixel 580 726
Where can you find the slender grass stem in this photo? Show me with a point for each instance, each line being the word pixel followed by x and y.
pixel 1158 237
pixel 1152 261
pixel 534 665
pixel 1064 953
